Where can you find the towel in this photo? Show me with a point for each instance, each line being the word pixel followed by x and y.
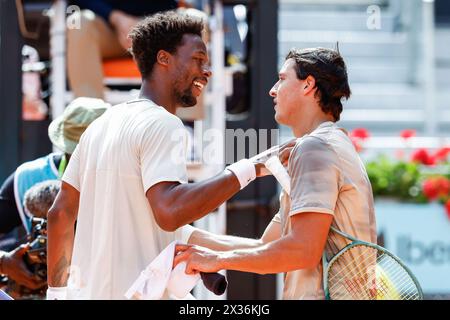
pixel 159 276
pixel 273 164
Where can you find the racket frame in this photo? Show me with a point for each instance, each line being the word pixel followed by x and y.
pixel 356 242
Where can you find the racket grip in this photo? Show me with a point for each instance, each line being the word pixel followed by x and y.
pixel 214 282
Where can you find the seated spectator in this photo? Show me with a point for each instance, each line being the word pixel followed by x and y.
pixel 103 34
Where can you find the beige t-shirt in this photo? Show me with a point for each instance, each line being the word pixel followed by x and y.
pixel 130 148
pixel 327 176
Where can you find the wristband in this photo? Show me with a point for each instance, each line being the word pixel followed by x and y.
pixel 57 293
pixel 244 170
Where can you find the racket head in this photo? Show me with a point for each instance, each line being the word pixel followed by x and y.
pixel 366 271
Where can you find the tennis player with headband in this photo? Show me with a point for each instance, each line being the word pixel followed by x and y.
pixel 329 185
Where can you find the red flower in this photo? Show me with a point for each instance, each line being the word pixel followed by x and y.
pixel 423 156
pixel 447 208
pixel 443 186
pixel 408 133
pixel 441 154
pixel 360 133
pixel 430 189
pixel 434 188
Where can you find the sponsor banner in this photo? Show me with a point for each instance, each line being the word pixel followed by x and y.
pixel 419 234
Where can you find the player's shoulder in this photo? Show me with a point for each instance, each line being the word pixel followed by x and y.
pixel 166 121
pixel 313 148
pixel 154 115
pixel 324 139
pixel 312 142
pixel 170 119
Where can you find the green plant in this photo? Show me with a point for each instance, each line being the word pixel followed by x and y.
pixel 424 177
pixel 397 179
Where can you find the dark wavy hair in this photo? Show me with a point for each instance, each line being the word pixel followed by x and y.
pixel 161 31
pixel 328 69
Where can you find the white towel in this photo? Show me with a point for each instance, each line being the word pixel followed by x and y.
pixel 159 276
pixel 273 164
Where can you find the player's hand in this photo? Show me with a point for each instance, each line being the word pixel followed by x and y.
pixel 261 170
pixel 285 151
pixel 14 267
pixel 198 259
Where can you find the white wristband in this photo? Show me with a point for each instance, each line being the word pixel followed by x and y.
pixel 57 293
pixel 244 170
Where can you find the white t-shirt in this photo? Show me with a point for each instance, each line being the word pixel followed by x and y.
pixel 130 148
pixel 327 176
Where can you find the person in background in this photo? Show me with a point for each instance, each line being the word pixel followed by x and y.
pixel 15 220
pixel 64 132
pixel 105 25
pixel 37 200
pixel 12 265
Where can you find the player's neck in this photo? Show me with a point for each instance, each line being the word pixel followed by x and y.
pixel 158 92
pixel 308 125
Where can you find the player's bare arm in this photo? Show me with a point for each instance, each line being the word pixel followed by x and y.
pixel 217 242
pixel 175 204
pixel 61 232
pixel 302 248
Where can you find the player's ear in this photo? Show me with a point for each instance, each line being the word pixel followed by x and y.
pixel 309 85
pixel 163 57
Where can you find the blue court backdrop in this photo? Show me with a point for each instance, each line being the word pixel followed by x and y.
pixel 419 234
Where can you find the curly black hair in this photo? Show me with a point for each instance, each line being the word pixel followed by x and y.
pixel 161 31
pixel 328 69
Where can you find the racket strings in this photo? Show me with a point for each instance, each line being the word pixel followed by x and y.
pixel 393 270
pixel 364 273
pixel 349 280
pixel 375 288
pixel 363 288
